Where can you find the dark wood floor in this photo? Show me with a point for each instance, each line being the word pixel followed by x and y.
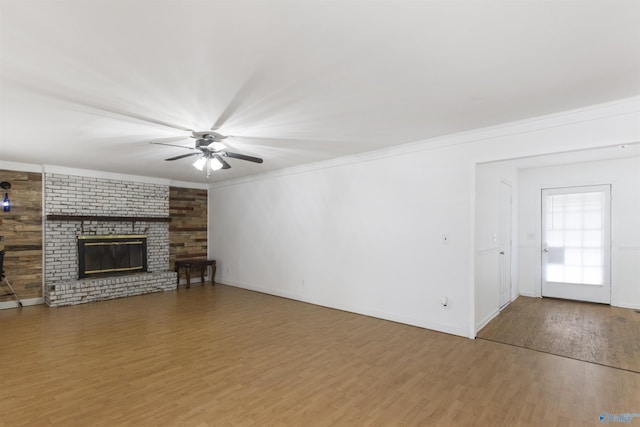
pixel 222 356
pixel 591 332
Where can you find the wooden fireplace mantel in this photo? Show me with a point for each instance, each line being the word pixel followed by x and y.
pixel 55 217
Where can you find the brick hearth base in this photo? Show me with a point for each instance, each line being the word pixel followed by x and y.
pixel 89 290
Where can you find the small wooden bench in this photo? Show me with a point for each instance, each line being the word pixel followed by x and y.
pixel 188 264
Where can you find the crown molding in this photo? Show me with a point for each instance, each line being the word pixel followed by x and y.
pixel 186 184
pixel 105 175
pixel 30 167
pixel 20 167
pixel 626 106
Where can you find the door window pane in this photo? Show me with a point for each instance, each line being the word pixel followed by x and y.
pixel 575 238
pixel 555 238
pixel 591 257
pixel 592 220
pixel 592 238
pixel 573 256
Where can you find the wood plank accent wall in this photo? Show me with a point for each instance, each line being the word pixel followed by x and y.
pixel 22 231
pixel 188 226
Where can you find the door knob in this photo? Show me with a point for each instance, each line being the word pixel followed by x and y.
pixel 501 252
pixel 545 250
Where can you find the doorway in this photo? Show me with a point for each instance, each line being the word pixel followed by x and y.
pixel 576 243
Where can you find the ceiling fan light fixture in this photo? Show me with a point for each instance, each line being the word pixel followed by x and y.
pixel 199 164
pixel 216 164
pixel 211 152
pixel 217 146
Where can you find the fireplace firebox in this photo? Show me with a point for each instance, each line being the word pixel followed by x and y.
pixel 111 255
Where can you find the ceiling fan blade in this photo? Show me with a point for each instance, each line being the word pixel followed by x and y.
pixel 170 139
pixel 182 156
pixel 141 118
pixel 133 115
pixel 171 145
pixel 225 165
pixel 248 89
pixel 241 157
pixel 66 94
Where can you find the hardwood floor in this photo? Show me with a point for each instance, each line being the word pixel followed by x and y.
pixel 223 356
pixel 594 333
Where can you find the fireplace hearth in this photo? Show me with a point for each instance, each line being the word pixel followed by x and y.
pixel 108 255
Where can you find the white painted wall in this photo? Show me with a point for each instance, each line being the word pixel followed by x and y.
pixel 487 236
pixel 624 177
pixel 365 233
pixel 367 237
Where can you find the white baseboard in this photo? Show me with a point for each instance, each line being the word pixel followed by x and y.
pixel 525 294
pixel 441 327
pixel 25 303
pixel 486 320
pixel 632 306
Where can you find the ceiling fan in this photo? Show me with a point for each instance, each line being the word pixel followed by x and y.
pixel 209 147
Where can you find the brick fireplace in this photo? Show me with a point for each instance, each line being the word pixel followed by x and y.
pixel 78 207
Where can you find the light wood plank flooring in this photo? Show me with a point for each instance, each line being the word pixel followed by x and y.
pixel 222 356
pixel 591 332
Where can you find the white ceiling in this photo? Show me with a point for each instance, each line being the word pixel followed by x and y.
pixel 88 84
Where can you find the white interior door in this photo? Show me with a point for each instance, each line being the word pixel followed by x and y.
pixel 576 243
pixel 504 258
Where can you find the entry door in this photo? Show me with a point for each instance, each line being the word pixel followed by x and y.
pixel 505 243
pixel 576 243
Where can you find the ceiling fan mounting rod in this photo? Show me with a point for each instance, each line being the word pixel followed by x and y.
pixel 208 134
